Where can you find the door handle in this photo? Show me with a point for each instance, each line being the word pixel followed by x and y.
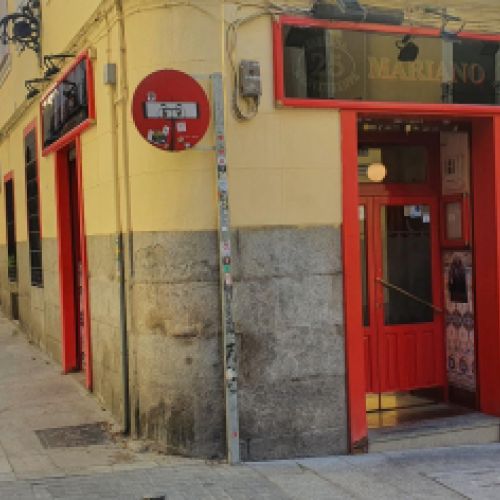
pixel 408 294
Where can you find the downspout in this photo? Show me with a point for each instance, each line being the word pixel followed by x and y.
pixel 120 100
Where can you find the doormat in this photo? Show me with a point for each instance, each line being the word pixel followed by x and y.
pixel 78 435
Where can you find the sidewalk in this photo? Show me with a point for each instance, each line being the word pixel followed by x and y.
pixel 42 465
pixel 34 396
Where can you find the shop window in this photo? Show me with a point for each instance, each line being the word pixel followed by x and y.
pixel 324 63
pixel 11 229
pixel 33 209
pixel 68 107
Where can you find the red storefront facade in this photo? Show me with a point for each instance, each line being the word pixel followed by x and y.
pixel 401 355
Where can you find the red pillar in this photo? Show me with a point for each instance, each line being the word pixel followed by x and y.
pixel 355 356
pixel 486 202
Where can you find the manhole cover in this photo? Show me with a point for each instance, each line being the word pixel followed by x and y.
pixel 78 435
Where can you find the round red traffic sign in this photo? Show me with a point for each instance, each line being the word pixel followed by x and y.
pixel 171 110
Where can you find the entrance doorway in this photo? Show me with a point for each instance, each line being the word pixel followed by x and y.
pixel 483 258
pixel 402 314
pixel 73 263
pixel 403 295
pixel 76 258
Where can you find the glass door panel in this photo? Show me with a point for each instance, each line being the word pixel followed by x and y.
pixel 406 264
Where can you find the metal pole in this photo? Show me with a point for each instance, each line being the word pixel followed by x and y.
pixel 226 281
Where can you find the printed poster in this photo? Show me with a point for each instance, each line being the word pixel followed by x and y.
pixel 459 319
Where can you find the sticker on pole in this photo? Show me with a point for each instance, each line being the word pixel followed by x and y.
pixel 171 110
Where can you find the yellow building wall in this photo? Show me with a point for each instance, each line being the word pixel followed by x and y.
pixel 284 165
pixel 62 20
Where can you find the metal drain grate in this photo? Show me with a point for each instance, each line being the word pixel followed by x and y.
pixel 78 435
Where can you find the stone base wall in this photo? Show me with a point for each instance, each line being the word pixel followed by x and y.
pixel 289 325
pixel 289 318
pixel 104 299
pixel 289 321
pixel 177 355
pixel 39 306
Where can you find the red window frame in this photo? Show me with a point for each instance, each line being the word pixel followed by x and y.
pixel 71 135
pixel 382 107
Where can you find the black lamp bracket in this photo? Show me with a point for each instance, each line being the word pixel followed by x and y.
pixel 33 86
pixel 22 27
pixel 53 63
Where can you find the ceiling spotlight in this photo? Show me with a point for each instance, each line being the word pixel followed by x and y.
pixel 53 63
pixel 33 86
pixel 408 50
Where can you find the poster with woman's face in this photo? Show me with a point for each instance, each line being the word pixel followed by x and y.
pixel 459 319
pixel 457 281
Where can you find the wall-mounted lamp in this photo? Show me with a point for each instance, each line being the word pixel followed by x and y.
pixel 53 63
pixel 376 172
pixel 33 86
pixel 22 27
pixel 408 50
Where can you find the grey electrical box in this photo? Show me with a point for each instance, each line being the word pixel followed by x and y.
pixel 250 82
pixel 109 74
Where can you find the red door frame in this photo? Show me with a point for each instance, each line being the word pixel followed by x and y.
pixel 485 152
pixel 69 321
pixel 372 194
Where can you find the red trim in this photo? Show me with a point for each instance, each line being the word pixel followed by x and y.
pixel 486 190
pixel 9 176
pixel 378 28
pixel 29 127
pixel 70 136
pixel 463 199
pixel 279 69
pixel 66 265
pixel 66 275
pixel 392 108
pixel 382 108
pixel 351 250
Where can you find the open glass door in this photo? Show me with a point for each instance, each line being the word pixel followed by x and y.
pixel 401 298
pixel 408 301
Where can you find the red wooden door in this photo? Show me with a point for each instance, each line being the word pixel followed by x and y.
pixel 404 340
